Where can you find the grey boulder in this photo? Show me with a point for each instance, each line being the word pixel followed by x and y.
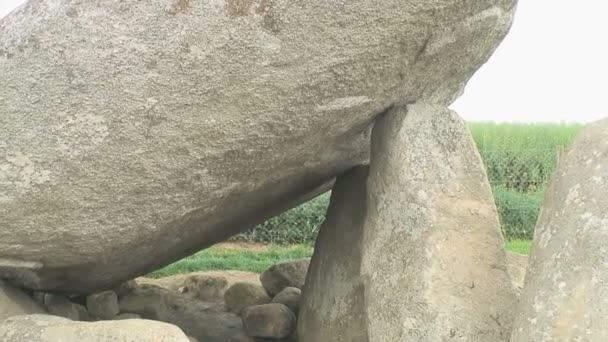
pixel 208 286
pixel 135 133
pixel 290 297
pixel 286 274
pixel 14 302
pixel 565 295
pixel 103 305
pixel 273 321
pixel 242 295
pixel 209 322
pixel 39 328
pixel 61 306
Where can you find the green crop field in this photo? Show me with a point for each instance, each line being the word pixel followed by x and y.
pixel 521 156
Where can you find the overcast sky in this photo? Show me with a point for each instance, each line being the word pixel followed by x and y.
pixel 553 66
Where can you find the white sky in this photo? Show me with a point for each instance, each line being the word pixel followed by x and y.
pixel 553 66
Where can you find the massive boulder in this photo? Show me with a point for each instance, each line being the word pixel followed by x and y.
pixel 39 328
pixel 565 296
pixel 135 133
pixel 411 249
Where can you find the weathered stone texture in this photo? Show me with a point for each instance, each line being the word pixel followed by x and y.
pixel 209 322
pixel 13 302
pixel 286 274
pixel 413 251
pixel 273 321
pixel 103 305
pixel 565 296
pixel 135 133
pixel 39 328
pixel 242 295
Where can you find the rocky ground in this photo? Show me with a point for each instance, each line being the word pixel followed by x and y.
pixel 215 306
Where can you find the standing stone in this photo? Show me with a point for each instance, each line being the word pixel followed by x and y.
pixel 103 305
pixel 565 296
pixel 13 302
pixel 411 249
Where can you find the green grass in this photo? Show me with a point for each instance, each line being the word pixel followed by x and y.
pixel 521 157
pixel 258 260
pixel 519 246
pixel 218 258
pixel 518 211
pixel 513 136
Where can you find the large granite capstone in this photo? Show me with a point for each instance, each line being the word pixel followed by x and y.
pixel 134 133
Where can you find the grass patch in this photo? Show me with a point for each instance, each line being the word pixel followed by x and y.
pixel 221 258
pixel 491 136
pixel 520 246
pixel 260 258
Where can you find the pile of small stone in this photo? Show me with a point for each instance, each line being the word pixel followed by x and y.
pixel 206 306
pixel 269 310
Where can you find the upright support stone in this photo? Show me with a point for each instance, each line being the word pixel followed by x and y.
pixel 412 251
pixel 565 296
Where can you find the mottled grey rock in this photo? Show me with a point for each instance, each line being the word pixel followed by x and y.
pixel 287 274
pixel 241 338
pixel 127 316
pixel 242 295
pixel 137 133
pixel 39 328
pixel 565 296
pixel 125 288
pixel 13 302
pixel 208 322
pixel 394 259
pixel 60 306
pixel 290 297
pixel 208 286
pixel 269 321
pixel 205 288
pixel 103 305
pixel 516 266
